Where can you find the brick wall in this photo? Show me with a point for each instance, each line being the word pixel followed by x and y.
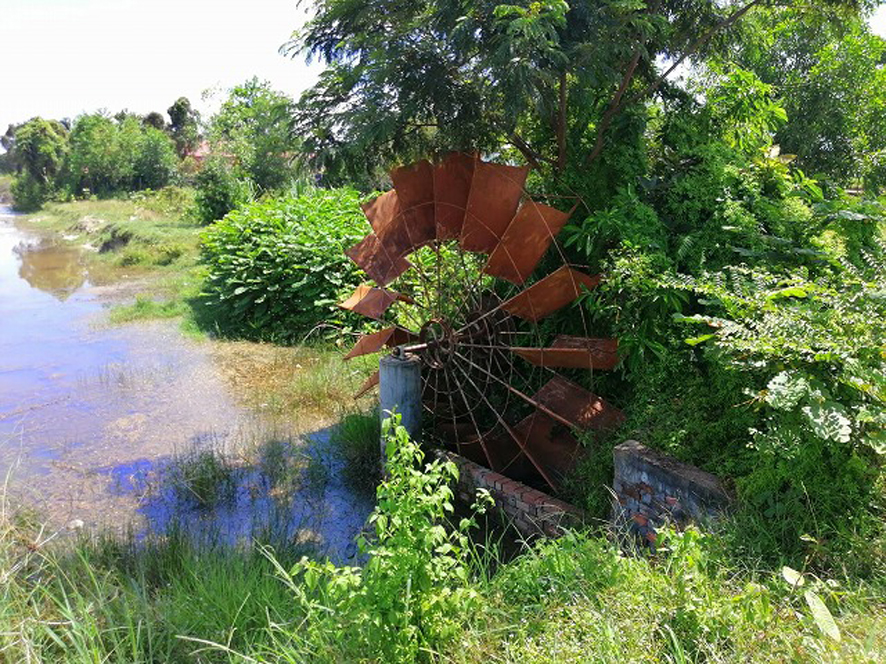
pixel 531 511
pixel 651 488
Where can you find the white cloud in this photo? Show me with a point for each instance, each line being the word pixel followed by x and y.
pixel 61 58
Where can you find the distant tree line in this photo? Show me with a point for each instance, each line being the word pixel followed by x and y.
pixel 245 149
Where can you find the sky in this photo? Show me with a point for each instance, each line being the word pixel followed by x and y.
pixel 60 58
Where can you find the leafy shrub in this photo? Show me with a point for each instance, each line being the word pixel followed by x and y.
pixel 219 190
pixel 156 164
pixel 28 194
pixel 278 267
pixel 814 352
pixel 414 591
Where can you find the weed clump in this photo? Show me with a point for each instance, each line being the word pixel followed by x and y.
pixel 356 439
pixel 203 477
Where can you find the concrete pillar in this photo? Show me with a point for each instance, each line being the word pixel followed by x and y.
pixel 399 384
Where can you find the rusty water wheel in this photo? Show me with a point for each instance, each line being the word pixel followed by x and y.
pixel 462 243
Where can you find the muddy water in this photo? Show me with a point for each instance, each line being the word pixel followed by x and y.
pixel 90 414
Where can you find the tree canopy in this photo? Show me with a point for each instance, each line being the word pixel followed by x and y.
pixel 254 126
pixel 559 82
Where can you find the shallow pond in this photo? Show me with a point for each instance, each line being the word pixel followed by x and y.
pixel 90 414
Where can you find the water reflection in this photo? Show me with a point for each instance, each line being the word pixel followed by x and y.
pixel 51 268
pixel 92 417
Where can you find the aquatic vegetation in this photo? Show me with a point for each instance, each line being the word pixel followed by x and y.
pixel 356 438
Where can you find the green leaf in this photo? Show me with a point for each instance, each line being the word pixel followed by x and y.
pixel 791 291
pixel 829 421
pixel 793 577
pixel 694 341
pixel 785 390
pixel 822 615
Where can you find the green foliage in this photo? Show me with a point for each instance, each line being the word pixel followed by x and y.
pixel 39 150
pixel 219 190
pixel 184 127
pixel 41 147
pixel 277 268
pixel 254 127
pixel 356 439
pixel 28 194
pixel 414 590
pixel 560 83
pixel 403 81
pixel 109 156
pixel 814 353
pixel 828 73
pixel 156 163
pixel 203 477
pixel 423 594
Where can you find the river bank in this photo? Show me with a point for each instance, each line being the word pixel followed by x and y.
pixel 116 426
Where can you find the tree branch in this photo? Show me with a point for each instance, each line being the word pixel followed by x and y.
pixel 616 104
pixel 533 157
pixel 693 48
pixel 614 107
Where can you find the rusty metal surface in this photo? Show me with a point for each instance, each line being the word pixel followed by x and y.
pixel 573 403
pixel 496 190
pixel 479 204
pixel 568 352
pixel 452 185
pixel 414 185
pixel 372 343
pixel 386 216
pixel 525 241
pixel 367 385
pixel 547 295
pixel 379 264
pixel 372 302
pixel 550 444
pixel 382 210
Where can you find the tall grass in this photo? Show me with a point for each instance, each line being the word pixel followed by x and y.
pixel 356 439
pixel 427 593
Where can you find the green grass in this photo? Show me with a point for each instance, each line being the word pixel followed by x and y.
pixel 356 438
pixel 422 597
pixel 149 235
pixel 312 381
pixel 579 599
pixel 144 308
pixel 203 476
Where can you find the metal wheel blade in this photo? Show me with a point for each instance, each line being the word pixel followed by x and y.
pixel 555 291
pixel 525 241
pixel 496 190
pixel 372 302
pixel 568 352
pixel 379 264
pixel 414 185
pixel 452 186
pixel 551 445
pixel 372 343
pixel 368 384
pixel 574 404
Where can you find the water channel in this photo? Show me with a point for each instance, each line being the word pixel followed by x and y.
pixel 90 414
